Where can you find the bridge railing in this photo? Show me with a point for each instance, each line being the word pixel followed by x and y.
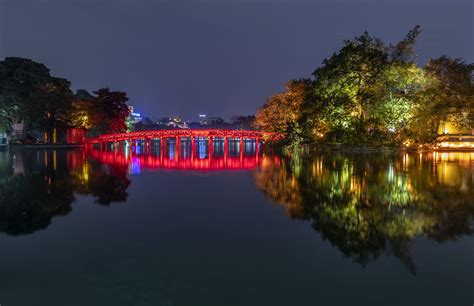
pixel 183 133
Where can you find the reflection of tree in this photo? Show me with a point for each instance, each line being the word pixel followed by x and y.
pixel 29 201
pixel 107 183
pixel 43 185
pixel 370 205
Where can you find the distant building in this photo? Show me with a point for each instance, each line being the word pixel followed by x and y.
pixel 136 117
pixel 450 136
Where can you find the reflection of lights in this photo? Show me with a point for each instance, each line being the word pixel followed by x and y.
pixel 85 172
pixel 54 160
pixel 391 173
pixel 135 166
pixel 163 160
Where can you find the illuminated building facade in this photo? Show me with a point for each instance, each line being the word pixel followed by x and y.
pixel 450 136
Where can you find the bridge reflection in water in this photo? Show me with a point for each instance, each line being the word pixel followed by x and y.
pixel 187 153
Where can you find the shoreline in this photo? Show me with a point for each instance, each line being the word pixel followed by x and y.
pixel 311 148
pixel 307 148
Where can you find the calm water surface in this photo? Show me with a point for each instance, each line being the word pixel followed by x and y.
pixel 92 228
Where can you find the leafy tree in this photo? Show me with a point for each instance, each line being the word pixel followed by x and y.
pixel 281 112
pixel 404 50
pixel 366 93
pixel 454 91
pixel 343 94
pixel 405 89
pixel 110 111
pixel 19 79
pixel 83 109
pixel 50 106
pixel 104 112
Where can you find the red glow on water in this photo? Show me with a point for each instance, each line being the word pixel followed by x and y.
pixel 165 162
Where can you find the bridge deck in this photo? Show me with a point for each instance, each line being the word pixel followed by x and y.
pixel 178 133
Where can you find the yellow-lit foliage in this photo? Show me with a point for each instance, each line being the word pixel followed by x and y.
pixel 282 109
pixel 368 206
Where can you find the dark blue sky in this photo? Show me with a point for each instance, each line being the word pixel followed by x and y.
pixel 217 57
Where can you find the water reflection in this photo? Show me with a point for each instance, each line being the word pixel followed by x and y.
pixel 369 205
pixel 36 185
pixel 365 205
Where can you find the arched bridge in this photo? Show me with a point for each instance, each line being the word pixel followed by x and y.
pixel 177 134
pixel 184 148
pixel 224 141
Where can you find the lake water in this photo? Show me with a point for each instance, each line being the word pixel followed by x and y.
pixel 106 228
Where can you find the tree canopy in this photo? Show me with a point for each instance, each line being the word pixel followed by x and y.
pixel 44 103
pixel 370 93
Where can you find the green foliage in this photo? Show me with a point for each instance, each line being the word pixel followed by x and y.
pixel 20 78
pixel 363 95
pixel 29 94
pixel 50 106
pixel 454 90
pixel 373 94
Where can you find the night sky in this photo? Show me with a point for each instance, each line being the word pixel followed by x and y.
pixel 217 57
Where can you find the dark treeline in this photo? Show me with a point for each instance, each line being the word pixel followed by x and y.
pixel 47 105
pixel 370 93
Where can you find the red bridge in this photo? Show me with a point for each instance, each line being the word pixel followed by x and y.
pixel 180 133
pixel 147 137
pixel 182 149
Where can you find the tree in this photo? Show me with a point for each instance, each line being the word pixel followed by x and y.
pixel 19 79
pixel 281 112
pixel 404 50
pixel 365 93
pixel 343 94
pixel 83 109
pixel 405 89
pixel 110 111
pixel 50 107
pixel 453 97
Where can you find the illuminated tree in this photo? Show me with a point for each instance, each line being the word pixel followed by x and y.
pixel 83 109
pixel 454 94
pixel 364 94
pixel 104 112
pixel 281 112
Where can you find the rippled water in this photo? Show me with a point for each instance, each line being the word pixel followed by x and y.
pixel 112 228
